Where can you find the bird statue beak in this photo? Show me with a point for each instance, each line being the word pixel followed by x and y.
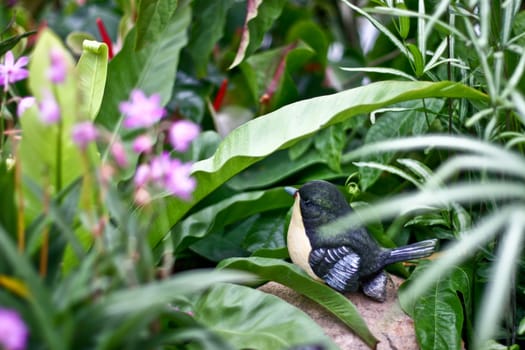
pixel 292 191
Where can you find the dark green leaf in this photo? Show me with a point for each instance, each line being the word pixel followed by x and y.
pixel 228 211
pixel 11 42
pixel 330 143
pixel 295 278
pixel 438 315
pixel 207 28
pixel 390 125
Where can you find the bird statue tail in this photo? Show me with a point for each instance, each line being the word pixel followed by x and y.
pixel 412 251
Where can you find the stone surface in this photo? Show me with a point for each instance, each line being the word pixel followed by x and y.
pixel 390 325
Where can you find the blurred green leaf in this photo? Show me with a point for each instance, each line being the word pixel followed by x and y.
pixel 293 277
pixel 260 16
pixel 438 315
pixel 209 18
pixel 47 153
pixel 92 71
pixel 150 296
pixel 151 69
pixel 153 18
pixel 250 319
pixel 9 43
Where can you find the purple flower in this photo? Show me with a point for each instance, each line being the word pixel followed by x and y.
pixel 49 109
pixel 141 111
pixel 24 104
pixel 58 69
pixel 182 133
pixel 83 133
pixel 11 71
pixel 142 144
pixel 178 181
pixel 13 331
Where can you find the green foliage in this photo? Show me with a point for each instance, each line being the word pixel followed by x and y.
pixel 275 324
pixel 293 277
pixel 122 270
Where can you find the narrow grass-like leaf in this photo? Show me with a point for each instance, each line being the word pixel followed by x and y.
pixel 39 299
pixel 293 277
pixel 381 70
pixel 500 286
pixel 155 294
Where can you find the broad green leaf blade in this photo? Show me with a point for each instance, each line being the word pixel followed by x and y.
pixel 153 18
pixel 155 294
pixel 260 16
pixel 151 70
pixel 292 276
pixel 47 154
pixel 244 146
pixel 209 18
pixel 438 314
pixel 251 319
pixel 92 71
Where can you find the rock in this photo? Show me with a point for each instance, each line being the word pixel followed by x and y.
pixel 390 325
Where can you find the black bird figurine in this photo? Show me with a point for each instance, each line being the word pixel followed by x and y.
pixel 343 260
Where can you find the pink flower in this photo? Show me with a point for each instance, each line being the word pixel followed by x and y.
pixel 119 154
pixel 58 69
pixel 49 109
pixel 11 71
pixel 142 175
pixel 24 104
pixel 182 133
pixel 83 134
pixel 13 331
pixel 178 181
pixel 141 111
pixel 142 144
pixel 167 174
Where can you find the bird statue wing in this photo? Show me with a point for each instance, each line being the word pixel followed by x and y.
pixel 338 267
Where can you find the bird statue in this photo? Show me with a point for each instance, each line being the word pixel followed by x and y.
pixel 343 260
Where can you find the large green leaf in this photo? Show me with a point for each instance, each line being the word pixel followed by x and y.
pixel 250 319
pixel 92 71
pixel 438 315
pixel 48 156
pixel 245 145
pixel 151 69
pixel 292 276
pixel 153 18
